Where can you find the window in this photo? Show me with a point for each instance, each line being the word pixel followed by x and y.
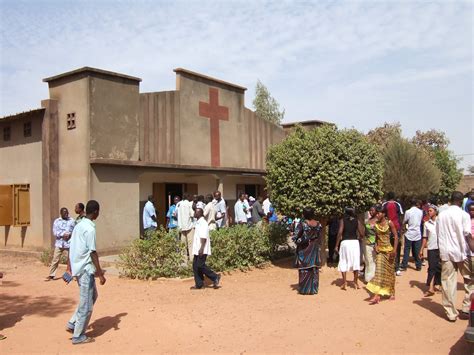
pixel 71 120
pixel 27 129
pixel 15 205
pixel 7 133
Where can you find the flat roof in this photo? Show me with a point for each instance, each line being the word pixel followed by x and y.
pixel 306 123
pixel 210 78
pixel 20 115
pixel 91 70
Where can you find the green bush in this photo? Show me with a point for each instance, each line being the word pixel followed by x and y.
pixel 158 256
pixel 237 247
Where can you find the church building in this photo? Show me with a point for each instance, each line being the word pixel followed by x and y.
pixel 97 137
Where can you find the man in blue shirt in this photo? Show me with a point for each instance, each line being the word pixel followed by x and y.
pixel 172 215
pixel 149 218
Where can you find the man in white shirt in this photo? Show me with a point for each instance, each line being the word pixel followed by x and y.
pixel 62 231
pixel 210 213
pixel 201 249
pixel 185 224
pixel 266 206
pixel 453 228
pixel 240 210
pixel 413 218
pixel 84 265
pixel 149 218
pixel 221 209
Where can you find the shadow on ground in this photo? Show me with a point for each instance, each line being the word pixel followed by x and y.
pixel 430 305
pixel 462 347
pixel 104 324
pixel 14 308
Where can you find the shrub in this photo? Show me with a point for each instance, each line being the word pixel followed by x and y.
pixel 236 247
pixel 158 256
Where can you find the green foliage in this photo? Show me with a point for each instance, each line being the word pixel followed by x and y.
pixel 47 256
pixel 324 168
pixel 450 174
pixel 237 247
pixel 409 171
pixel 158 256
pixel 266 106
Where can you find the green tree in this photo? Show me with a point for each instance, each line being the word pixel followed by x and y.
pixel 324 168
pixel 435 143
pixel 266 106
pixel 409 170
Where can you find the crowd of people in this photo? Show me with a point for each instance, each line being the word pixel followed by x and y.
pixel 446 231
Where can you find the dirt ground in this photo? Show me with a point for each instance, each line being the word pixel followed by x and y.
pixel 258 311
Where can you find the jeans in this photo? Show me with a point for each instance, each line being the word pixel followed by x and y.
pixel 200 269
pixel 87 297
pixel 415 247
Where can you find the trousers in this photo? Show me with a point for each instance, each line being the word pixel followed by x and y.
pixel 449 283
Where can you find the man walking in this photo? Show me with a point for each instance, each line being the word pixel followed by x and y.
pixel 454 231
pixel 201 249
pixel 149 218
pixel 84 264
pixel 413 219
pixel 62 229
pixel 185 224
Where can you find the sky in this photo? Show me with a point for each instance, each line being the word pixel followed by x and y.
pixel 354 63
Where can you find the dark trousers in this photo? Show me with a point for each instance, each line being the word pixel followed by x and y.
pixel 200 269
pixel 434 267
pixel 415 247
pixel 331 246
pixel 399 250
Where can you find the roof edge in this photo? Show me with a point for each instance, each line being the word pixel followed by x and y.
pixel 91 70
pixel 210 78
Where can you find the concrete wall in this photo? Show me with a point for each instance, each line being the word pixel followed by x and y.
pixel 20 162
pixel 114 106
pixel 117 191
pixel 73 145
pixel 466 184
pixel 159 127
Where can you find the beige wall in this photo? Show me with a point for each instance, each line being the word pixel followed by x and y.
pixel 117 191
pixel 20 162
pixel 73 144
pixel 114 106
pixel 466 184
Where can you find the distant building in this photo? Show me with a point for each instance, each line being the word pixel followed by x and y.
pixel 305 124
pixel 466 184
pixel 98 137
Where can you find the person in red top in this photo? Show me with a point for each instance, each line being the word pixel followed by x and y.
pixel 394 213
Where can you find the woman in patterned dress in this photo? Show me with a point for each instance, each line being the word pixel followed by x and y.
pixel 383 283
pixel 308 252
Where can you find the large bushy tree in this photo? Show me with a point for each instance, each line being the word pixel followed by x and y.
pixel 435 143
pixel 266 106
pixel 324 168
pixel 409 170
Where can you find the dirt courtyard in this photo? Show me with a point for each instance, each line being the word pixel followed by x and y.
pixel 258 311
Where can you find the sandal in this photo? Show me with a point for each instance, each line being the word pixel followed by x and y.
pixel 2 337
pixel 428 294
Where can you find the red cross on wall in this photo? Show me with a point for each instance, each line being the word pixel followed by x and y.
pixel 215 113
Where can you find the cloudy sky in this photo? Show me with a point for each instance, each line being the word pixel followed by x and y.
pixel 355 63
